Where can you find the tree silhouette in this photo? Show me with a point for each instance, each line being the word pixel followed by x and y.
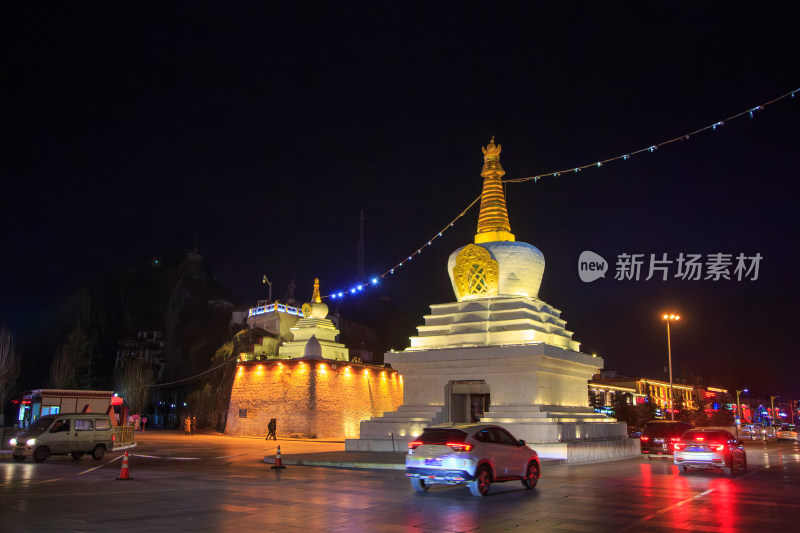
pixel 9 368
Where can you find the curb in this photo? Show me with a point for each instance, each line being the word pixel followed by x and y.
pixel 336 464
pixel 372 466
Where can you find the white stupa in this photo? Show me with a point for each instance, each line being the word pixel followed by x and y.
pixel 496 282
pixel 498 353
pixel 314 335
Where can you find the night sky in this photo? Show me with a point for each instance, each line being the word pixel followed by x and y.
pixel 256 133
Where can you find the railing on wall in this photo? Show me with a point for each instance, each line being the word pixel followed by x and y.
pixel 123 436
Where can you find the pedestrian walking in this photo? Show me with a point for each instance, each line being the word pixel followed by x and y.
pixel 271 429
pixel 194 424
pixel 187 426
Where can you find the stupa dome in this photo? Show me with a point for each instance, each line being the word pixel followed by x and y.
pixel 318 310
pixel 518 272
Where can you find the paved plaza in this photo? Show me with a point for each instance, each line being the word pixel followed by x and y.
pixel 217 483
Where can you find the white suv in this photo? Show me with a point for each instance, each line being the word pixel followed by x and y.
pixel 475 454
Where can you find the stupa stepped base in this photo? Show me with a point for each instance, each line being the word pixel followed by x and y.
pixel 576 434
pixel 504 414
pixel 549 424
pixel 588 451
pixel 394 430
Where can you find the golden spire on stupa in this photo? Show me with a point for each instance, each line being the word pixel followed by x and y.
pixel 493 224
pixel 315 296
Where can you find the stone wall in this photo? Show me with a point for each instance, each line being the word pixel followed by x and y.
pixel 310 398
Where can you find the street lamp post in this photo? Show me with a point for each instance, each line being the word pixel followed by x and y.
pixel 265 281
pixel 738 412
pixel 670 318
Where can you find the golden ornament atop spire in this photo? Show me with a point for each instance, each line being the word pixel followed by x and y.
pixel 315 296
pixel 491 152
pixel 493 224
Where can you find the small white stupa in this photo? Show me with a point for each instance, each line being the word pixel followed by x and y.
pixel 316 330
pixel 498 353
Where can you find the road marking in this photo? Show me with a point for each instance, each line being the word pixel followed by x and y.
pixel 684 502
pixel 101 466
pixel 167 458
pixel 201 458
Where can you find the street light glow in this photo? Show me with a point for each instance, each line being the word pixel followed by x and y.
pixel 670 318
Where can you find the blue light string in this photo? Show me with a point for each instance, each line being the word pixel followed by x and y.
pixel 624 157
pixel 375 280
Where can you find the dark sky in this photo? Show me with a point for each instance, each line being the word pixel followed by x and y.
pixel 259 131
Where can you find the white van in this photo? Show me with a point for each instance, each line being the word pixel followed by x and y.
pixel 68 433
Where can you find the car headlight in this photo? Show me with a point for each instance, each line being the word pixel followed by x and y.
pixel 30 442
pixel 13 442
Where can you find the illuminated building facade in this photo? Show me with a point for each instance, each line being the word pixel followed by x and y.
pixel 148 346
pixel 693 396
pixel 309 384
pixel 311 398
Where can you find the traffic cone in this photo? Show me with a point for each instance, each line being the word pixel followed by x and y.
pixel 124 472
pixel 278 463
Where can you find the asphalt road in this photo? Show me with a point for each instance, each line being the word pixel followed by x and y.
pixel 215 483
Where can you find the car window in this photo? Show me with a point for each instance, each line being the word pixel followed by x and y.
pixel 83 425
pixel 484 435
pixel 503 437
pixel 664 430
pixel 61 424
pixel 441 436
pixel 40 425
pixel 102 424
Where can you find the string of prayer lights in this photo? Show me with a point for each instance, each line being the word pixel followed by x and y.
pixel 653 147
pixel 374 281
pixel 597 164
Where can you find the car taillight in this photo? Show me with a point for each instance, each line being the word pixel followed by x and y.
pixel 413 445
pixel 680 445
pixel 460 446
pixel 675 439
pixel 644 438
pixel 716 447
pixel 113 438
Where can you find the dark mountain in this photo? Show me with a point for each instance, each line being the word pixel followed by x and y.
pixel 178 296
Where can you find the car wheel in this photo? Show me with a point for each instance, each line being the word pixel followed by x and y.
pixel 41 454
pixel 483 480
pixel 728 468
pixel 18 458
pixel 419 485
pixel 683 469
pixel 532 477
pixel 98 452
pixel 76 455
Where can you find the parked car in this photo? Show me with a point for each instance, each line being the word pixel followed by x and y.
pixel 473 454
pixel 659 436
pixel 75 434
pixel 710 448
pixel 787 432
